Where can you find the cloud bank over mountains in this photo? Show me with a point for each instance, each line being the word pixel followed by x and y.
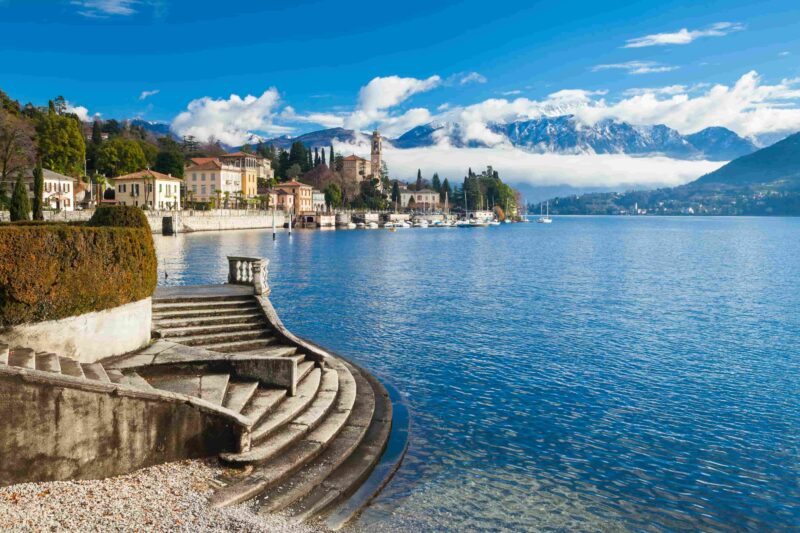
pixel 750 107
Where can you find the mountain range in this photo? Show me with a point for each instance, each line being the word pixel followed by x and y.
pixel 563 134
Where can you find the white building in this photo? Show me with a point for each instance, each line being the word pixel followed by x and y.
pixel 148 188
pixel 318 201
pixel 207 175
pixel 58 192
pixel 420 200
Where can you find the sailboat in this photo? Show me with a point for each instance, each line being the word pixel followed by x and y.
pixel 544 219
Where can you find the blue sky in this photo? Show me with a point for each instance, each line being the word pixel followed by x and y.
pixel 394 65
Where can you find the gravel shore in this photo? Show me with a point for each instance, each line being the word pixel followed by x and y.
pixel 170 497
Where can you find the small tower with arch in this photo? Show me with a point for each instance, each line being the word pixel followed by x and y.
pixel 376 154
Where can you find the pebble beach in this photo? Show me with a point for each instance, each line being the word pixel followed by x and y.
pixel 169 497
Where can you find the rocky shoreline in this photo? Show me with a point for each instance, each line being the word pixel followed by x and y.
pixel 168 497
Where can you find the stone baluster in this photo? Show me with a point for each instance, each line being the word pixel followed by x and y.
pixel 4 354
pixel 249 271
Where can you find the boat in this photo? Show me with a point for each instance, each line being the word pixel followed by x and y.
pixel 389 225
pixel 372 225
pixel 351 225
pixel 361 225
pixel 544 219
pixel 494 222
pixel 421 224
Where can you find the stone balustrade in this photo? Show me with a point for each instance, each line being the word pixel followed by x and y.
pixel 249 271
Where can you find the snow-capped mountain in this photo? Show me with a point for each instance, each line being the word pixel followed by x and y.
pixel 567 135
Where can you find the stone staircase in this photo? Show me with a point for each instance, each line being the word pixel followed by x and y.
pixel 308 452
pixel 306 427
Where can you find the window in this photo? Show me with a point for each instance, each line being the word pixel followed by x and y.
pixel 122 188
pixel 194 188
pixel 204 189
pixel 212 176
pixel 203 176
pixel 160 188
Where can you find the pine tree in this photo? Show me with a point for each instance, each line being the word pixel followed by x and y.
pixel 20 207
pixel 419 180
pixel 38 192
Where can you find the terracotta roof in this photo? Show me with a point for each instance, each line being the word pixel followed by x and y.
pixel 354 158
pixel 201 160
pixel 292 183
pixel 212 164
pixel 146 174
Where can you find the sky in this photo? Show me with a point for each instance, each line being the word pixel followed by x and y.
pixel 233 68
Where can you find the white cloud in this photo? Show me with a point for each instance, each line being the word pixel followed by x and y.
pixel 749 107
pixel 230 120
pixel 472 77
pixel 636 67
pixel 105 8
pixel 384 93
pixel 784 53
pixel 511 93
pixel 684 36
pixel 148 94
pixel 81 111
pixel 519 166
pixel 327 120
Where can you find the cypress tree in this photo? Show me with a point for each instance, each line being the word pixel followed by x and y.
pixel 38 192
pixel 435 183
pixel 332 155
pixel 20 207
pixel 419 180
pixel 395 191
pixel 322 158
pixel 316 156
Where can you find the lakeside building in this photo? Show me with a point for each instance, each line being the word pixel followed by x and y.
pixel 318 201
pixel 148 188
pixel 425 198
pixel 303 195
pixel 251 167
pixel 358 169
pixel 206 175
pixel 58 192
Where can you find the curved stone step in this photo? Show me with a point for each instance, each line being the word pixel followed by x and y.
pixel 169 315
pixel 281 465
pixel 217 338
pixel 239 393
pixel 179 333
pixel 95 371
pixel 241 346
pixel 48 362
pixel 360 407
pixel 262 402
pixel 198 306
pixel 202 299
pixel 166 324
pixel 135 380
pixel 352 472
pixel 208 387
pixel 23 358
pixel 70 367
pixel 284 412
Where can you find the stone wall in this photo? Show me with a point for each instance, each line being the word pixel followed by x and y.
pixel 89 337
pixel 86 432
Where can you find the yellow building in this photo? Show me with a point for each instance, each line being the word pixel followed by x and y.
pixel 148 188
pixel 251 167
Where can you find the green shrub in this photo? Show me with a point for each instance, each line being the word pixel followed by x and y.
pixel 53 271
pixel 122 216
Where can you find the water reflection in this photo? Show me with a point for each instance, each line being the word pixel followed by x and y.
pixel 596 374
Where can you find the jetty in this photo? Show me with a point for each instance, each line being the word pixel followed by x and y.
pixel 302 430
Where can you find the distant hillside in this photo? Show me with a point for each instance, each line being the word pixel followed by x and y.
pixel 777 165
pixel 764 183
pixel 316 139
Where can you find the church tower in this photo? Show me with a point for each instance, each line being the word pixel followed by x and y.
pixel 376 155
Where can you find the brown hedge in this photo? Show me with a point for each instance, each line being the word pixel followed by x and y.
pixel 120 216
pixel 53 271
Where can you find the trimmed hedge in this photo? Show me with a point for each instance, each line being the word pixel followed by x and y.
pixel 120 217
pixel 54 271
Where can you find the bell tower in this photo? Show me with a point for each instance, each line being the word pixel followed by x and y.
pixel 376 155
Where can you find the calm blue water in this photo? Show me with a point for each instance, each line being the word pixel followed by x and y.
pixel 594 374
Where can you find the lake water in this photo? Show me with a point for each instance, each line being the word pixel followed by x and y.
pixel 595 374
